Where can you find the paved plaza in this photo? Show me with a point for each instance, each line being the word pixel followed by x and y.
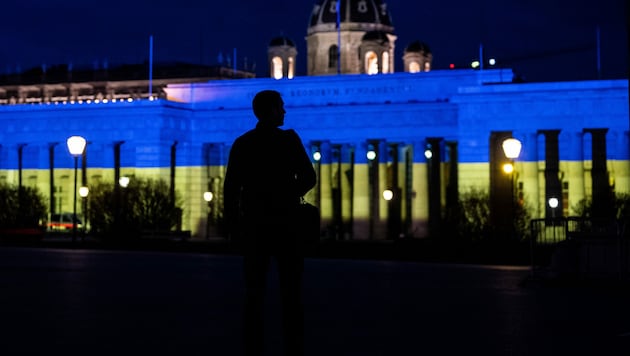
pixel 98 302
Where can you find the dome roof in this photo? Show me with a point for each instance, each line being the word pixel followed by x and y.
pixel 378 36
pixel 355 15
pixel 281 41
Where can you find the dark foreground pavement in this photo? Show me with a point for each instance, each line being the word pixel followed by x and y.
pixel 102 302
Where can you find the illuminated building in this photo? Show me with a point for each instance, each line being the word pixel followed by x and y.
pixel 420 135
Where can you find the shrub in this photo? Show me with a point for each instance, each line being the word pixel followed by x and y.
pixel 621 207
pixel 472 222
pixel 21 207
pixel 144 205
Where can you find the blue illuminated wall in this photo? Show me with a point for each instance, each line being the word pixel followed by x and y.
pixel 463 107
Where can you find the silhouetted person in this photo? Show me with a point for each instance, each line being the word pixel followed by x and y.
pixel 267 173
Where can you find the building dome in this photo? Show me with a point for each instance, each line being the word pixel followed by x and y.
pixel 376 36
pixel 281 54
pixel 418 47
pixel 355 15
pixel 281 41
pixel 418 57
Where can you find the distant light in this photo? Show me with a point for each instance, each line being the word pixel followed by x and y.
pixel 207 196
pixel 451 66
pixel 129 99
pixel 492 61
pixel 475 64
pixel 123 181
pixel 317 156
pixel 388 195
pixel 508 168
pixel 105 101
pixel 553 203
pixel 371 155
pixel 84 191
pixel 428 154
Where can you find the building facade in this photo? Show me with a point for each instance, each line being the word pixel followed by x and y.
pixel 423 137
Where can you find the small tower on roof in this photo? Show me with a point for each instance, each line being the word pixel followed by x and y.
pixel 281 55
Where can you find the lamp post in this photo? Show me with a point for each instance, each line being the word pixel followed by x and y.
pixel 83 193
pixel 511 149
pixel 207 196
pixel 76 146
pixel 553 204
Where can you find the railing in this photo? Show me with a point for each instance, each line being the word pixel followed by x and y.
pixel 581 246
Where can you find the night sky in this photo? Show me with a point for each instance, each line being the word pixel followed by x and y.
pixel 541 40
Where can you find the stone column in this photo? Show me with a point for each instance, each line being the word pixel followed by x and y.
pixel 553 187
pixel 602 194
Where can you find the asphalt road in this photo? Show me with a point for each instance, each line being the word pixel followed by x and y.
pixel 99 302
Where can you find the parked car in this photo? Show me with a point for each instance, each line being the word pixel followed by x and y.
pixel 63 223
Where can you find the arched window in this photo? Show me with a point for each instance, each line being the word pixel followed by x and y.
pixel 277 67
pixel 333 55
pixel 371 63
pixel 414 67
pixel 385 62
pixel 291 68
pixel 427 66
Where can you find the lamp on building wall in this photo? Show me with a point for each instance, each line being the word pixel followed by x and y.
pixel 83 193
pixel 511 149
pixel 553 204
pixel 76 146
pixel 371 153
pixel 207 197
pixel 124 181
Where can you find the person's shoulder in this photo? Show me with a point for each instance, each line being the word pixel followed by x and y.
pixel 245 136
pixel 291 133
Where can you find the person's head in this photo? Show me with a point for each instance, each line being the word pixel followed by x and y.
pixel 269 107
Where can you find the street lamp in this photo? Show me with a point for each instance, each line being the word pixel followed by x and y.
pixel 511 149
pixel 76 146
pixel 83 193
pixel 553 204
pixel 207 196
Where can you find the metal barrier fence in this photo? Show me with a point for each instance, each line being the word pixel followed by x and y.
pixel 580 246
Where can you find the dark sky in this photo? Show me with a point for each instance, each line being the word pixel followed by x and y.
pixel 541 40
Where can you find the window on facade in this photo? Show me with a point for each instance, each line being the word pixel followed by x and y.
pixel 385 62
pixel 333 55
pixel 291 68
pixel 276 63
pixel 414 67
pixel 427 66
pixel 371 63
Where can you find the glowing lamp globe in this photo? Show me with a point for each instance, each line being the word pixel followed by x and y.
pixel 511 148
pixel 76 145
